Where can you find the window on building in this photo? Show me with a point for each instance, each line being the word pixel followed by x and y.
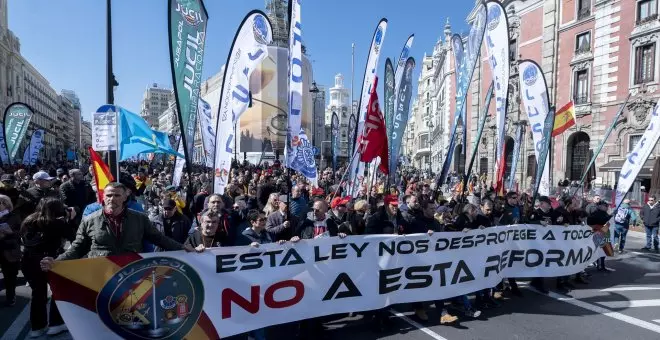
pixel 647 10
pixel 428 82
pixel 584 9
pixel 583 42
pixel 632 141
pixel 578 155
pixel 513 49
pixel 531 166
pixel 483 166
pixel 581 91
pixel 428 96
pixel 508 154
pixel 645 63
pixel 424 141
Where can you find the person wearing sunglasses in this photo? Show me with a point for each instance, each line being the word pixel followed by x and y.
pixel 8 187
pixel 175 224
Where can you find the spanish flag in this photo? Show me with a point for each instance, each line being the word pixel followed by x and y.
pixel 102 175
pixel 564 119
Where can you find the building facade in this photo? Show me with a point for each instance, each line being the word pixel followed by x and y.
pixel 155 100
pixel 317 134
pixel 592 55
pixel 168 120
pixel 85 138
pixel 340 102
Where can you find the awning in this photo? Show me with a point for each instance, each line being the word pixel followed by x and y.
pixel 615 166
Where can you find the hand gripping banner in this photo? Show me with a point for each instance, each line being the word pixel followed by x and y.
pixel 231 290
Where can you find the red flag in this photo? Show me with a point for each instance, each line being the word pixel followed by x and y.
pixel 373 142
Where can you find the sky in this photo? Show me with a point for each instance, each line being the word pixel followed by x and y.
pixel 65 39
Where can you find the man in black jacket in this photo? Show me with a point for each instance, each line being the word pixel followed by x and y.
pixel 175 225
pixel 31 197
pixel 387 219
pixel 651 219
pixel 317 224
pixel 277 223
pixel 77 193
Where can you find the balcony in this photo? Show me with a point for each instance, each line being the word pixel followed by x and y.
pixel 584 13
pixel 652 17
pixel 586 48
pixel 581 100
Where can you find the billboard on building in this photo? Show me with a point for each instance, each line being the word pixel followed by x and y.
pixel 263 126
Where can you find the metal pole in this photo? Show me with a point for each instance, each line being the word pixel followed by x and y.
pixel 113 160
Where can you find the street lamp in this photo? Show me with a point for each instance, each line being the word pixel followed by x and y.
pixel 313 90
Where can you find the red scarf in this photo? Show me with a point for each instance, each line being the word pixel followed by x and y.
pixel 115 222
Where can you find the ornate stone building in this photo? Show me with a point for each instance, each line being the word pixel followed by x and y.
pixel 591 54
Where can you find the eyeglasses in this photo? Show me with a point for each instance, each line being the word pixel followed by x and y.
pixel 168 208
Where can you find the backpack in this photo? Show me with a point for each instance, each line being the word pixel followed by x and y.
pixel 622 216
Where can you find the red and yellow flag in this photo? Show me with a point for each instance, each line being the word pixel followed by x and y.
pixel 564 119
pixel 102 175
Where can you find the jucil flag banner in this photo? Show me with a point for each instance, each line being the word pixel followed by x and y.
pixel 465 59
pixel 16 120
pixel 31 154
pixel 208 132
pixel 516 155
pixel 352 125
pixel 231 290
pixel 388 98
pixel 535 99
pixel 247 51
pixel 639 154
pixel 401 114
pixel 497 45
pixel 3 148
pixel 187 33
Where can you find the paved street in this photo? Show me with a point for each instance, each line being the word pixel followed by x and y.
pixel 624 304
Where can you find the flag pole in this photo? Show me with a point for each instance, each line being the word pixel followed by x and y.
pixel 113 160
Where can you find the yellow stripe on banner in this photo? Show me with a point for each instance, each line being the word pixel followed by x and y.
pixel 196 333
pixel 90 273
pixel 102 180
pixel 142 289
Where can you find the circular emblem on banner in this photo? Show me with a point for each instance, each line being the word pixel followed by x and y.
pixel 191 16
pixel 530 75
pixel 152 298
pixel 379 36
pixel 260 29
pixel 494 15
pixel 37 134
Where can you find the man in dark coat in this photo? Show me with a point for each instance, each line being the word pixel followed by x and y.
pixel 175 224
pixel 387 219
pixel 651 219
pixel 77 193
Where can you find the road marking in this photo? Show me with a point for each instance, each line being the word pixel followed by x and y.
pixel 630 303
pixel 18 325
pixel 652 274
pixel 656 320
pixel 604 311
pixel 628 288
pixel 655 256
pixel 428 332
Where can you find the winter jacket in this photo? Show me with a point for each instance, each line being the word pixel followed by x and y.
pixel 380 223
pixel 249 235
pixel 195 239
pixel 77 195
pixel 95 239
pixel 305 229
pixel 651 215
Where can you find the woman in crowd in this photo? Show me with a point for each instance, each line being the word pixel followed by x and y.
pixel 10 251
pixel 42 233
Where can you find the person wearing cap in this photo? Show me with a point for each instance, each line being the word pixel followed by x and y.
pixel 175 224
pixel 387 218
pixel 597 220
pixel 8 188
pixel 277 223
pixel 338 209
pixel 43 187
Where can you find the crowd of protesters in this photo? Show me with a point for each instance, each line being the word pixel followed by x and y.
pixel 54 214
